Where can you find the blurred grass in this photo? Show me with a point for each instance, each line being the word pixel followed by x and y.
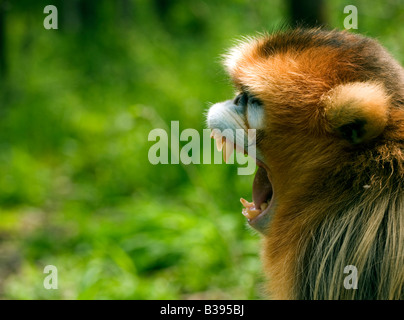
pixel 76 188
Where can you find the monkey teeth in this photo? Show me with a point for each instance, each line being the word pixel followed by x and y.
pixel 224 145
pixel 219 143
pixel 250 211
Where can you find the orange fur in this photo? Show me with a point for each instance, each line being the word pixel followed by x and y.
pixel 313 83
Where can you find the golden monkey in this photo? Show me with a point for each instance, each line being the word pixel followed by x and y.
pixel 328 109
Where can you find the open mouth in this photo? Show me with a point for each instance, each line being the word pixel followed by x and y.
pixel 262 194
pixel 258 211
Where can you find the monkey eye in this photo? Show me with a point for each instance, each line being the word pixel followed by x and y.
pixel 254 101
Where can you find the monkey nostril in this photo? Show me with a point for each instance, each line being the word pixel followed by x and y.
pixel 237 99
pixel 241 99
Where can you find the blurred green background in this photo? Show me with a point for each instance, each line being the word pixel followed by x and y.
pixel 76 106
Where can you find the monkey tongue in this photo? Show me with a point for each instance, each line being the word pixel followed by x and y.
pixel 262 187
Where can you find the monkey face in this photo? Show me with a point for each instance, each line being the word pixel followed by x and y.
pixel 245 112
pixel 314 98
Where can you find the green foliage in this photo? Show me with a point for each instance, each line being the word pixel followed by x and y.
pixel 76 188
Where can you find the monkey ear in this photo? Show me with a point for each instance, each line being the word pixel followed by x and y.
pixel 357 111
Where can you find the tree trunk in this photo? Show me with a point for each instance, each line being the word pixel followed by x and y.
pixel 307 13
